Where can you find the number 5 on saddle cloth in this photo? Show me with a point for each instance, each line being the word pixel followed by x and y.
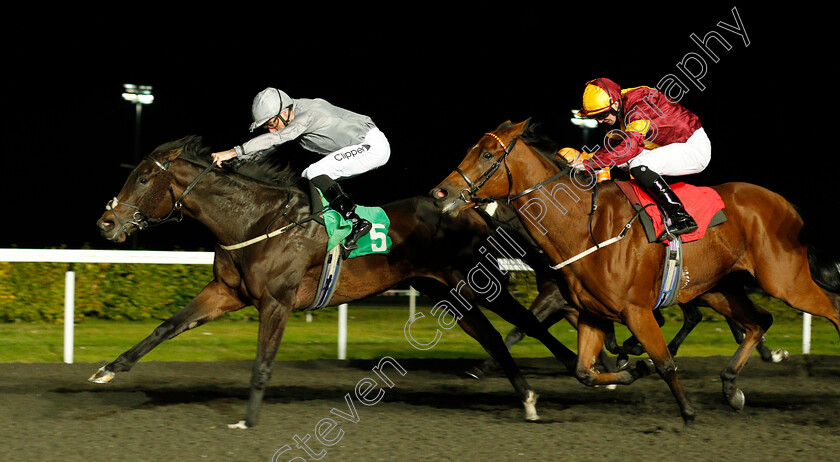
pixel 377 241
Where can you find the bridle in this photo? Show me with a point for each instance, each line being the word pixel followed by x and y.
pixel 176 214
pixel 474 187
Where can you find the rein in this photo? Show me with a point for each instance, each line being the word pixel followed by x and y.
pixel 141 221
pixel 603 244
pixel 475 187
pixel 276 232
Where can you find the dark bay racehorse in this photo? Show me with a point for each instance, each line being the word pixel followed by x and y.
pixel 430 250
pixel 619 283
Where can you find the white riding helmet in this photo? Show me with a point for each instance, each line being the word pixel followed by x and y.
pixel 267 104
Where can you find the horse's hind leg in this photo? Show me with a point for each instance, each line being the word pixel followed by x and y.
pixel 767 355
pixel 734 303
pixel 213 301
pixel 794 286
pixel 477 326
pixel 691 318
pixel 549 308
pixel 506 306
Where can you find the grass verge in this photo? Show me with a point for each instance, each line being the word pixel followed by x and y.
pixel 373 332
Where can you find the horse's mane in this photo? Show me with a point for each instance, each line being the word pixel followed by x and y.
pixel 266 169
pixel 539 142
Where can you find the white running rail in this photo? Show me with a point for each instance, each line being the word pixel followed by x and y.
pixel 204 258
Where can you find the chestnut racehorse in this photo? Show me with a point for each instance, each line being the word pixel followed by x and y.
pixel 762 237
pixel 432 251
pixel 550 307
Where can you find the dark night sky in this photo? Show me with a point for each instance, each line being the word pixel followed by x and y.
pixel 432 80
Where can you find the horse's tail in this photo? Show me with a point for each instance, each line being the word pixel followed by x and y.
pixel 823 260
pixel 825 269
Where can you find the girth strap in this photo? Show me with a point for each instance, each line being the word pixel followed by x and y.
pixel 600 245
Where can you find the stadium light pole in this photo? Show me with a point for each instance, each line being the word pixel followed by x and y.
pixel 139 95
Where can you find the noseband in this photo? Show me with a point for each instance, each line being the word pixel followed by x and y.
pixel 140 220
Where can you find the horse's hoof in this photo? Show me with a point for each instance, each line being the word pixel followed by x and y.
pixel 530 404
pixel 779 355
pixel 238 425
pixel 102 376
pixel 645 367
pixel 475 373
pixel 622 361
pixel 737 400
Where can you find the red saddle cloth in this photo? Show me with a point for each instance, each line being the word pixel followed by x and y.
pixel 700 202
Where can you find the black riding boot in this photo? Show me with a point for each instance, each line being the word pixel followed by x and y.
pixel 341 203
pixel 652 182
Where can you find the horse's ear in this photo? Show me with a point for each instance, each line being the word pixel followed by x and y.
pixel 173 154
pixel 522 126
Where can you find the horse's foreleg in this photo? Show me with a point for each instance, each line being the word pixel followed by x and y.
pixel 631 346
pixel 214 300
pixel 591 334
pixel 645 327
pixel 513 337
pixel 691 317
pixel 273 318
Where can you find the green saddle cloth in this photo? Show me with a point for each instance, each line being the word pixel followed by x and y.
pixel 376 241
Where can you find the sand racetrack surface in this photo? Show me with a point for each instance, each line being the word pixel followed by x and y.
pixel 180 411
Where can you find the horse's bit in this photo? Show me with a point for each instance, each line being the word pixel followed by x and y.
pixel 140 220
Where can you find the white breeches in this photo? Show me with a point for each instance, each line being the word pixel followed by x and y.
pixel 677 159
pixel 354 160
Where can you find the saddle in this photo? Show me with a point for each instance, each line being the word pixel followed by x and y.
pixel 377 241
pixel 702 203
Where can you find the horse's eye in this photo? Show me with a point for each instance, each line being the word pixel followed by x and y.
pixel 487 156
pixel 144 180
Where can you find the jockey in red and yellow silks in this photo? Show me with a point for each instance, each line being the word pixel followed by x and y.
pixel 654 137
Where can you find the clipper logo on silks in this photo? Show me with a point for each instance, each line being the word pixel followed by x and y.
pixel 351 153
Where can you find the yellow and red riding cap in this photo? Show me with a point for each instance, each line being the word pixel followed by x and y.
pixel 598 95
